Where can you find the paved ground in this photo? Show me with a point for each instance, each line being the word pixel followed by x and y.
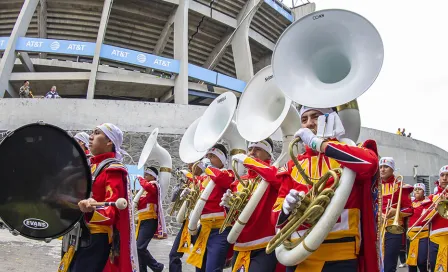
pixel 18 254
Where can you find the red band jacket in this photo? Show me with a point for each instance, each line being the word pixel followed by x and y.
pixel 391 191
pixel 147 204
pixel 259 230
pixel 108 186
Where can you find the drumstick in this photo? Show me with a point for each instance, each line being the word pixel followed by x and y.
pixel 121 204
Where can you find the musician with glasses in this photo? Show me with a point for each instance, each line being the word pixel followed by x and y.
pixel 351 245
pixel 250 247
pixel 211 248
pixel 390 192
pixel 438 236
pixel 418 248
pixel 149 218
pixel 183 240
pixel 108 234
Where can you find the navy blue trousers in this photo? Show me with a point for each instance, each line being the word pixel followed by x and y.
pixel 94 257
pixel 145 233
pixel 392 246
pixel 259 261
pixel 433 250
pixel 422 258
pixel 216 252
pixel 175 257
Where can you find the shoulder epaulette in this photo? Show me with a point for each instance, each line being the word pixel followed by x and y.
pixel 117 166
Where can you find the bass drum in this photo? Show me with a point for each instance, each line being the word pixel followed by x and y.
pixel 44 173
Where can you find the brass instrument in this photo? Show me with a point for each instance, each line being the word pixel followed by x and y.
pixel 311 208
pixel 239 199
pixel 440 205
pixel 395 227
pixel 194 194
pixel 179 201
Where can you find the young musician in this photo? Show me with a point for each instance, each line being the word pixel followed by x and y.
pixel 438 246
pixel 83 140
pixel 183 239
pixel 148 218
pixel 351 245
pixel 250 247
pixel 390 193
pixel 211 248
pixel 418 248
pixel 110 229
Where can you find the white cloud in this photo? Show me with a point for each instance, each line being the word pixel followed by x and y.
pixel 412 88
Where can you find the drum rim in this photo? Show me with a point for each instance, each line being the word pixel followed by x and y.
pixel 84 159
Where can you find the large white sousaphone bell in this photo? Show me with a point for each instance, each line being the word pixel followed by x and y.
pixel 327 59
pixel 187 152
pixel 152 150
pixel 216 124
pixel 263 108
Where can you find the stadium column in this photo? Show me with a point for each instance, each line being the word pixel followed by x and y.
pixel 9 56
pixel 240 43
pixel 303 10
pixel 181 52
pixel 99 42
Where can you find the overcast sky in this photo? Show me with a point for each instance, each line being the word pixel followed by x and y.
pixel 412 88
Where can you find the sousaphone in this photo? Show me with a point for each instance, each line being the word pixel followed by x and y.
pixel 152 150
pixel 263 108
pixel 326 59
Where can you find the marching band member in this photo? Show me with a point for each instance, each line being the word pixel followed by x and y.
pixel 149 217
pixel 351 245
pixel 418 249
pixel 110 229
pixel 211 248
pixel 438 236
pixel 183 239
pixel 390 193
pixel 83 140
pixel 250 247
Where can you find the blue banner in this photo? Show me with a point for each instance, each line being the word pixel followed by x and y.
pixel 123 55
pixel 279 9
pixel 139 58
pixel 202 74
pixel 231 83
pixel 133 172
pixel 3 42
pixel 56 46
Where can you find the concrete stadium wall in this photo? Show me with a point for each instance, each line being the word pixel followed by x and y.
pixel 138 119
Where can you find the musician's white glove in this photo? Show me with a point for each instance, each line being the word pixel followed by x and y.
pixel 309 139
pixel 205 162
pixel 184 193
pixel 226 198
pixel 239 158
pixel 292 200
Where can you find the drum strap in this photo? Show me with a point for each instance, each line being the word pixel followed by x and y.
pixel 104 164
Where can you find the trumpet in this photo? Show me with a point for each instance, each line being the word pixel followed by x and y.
pixel 311 208
pixel 395 227
pixel 441 205
pixel 239 199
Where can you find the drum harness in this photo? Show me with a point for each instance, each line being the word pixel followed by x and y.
pixel 75 238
